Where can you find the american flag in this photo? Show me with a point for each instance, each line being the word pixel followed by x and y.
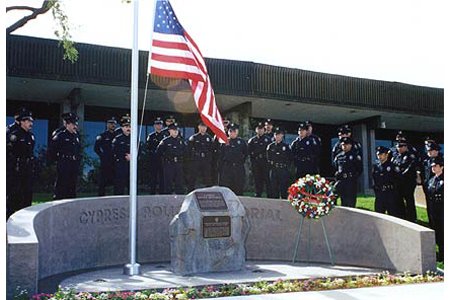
pixel 175 54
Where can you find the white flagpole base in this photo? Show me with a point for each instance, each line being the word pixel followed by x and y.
pixel 132 269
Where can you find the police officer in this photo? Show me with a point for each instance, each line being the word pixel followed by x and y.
pixel 172 151
pixel 216 163
pixel 433 150
pixel 401 138
pixel 64 116
pixel 268 127
pixel 156 170
pixel 10 159
pixel 407 162
pixel 65 149
pixel 317 145
pixel 171 120
pixel 200 152
pixel 121 154
pixel 303 152
pixel 16 124
pixel 257 147
pixel 233 157
pixel 343 132
pixel 385 176
pixel 279 157
pixel 20 152
pixel 436 194
pixel 349 166
pixel 103 148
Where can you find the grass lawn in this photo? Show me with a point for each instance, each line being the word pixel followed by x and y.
pixel 366 202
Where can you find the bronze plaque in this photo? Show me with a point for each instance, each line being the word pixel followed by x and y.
pixel 216 226
pixel 211 201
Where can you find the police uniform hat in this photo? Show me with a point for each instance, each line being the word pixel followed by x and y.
pixel 72 118
pixel 25 115
pixel 303 126
pixel 400 136
pixel 344 130
pixel 438 160
pixel 382 149
pixel 226 120
pixel 158 120
pixel 170 118
pixel 233 126
pixel 260 125
pixel 111 120
pixel 347 140
pixel 308 123
pixel 278 130
pixel 201 123
pixel 67 115
pixel 429 141
pixel 268 121
pixel 433 146
pixel 19 112
pixel 125 120
pixel 173 126
pixel 401 144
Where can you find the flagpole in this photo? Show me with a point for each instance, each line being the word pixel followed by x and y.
pixel 133 268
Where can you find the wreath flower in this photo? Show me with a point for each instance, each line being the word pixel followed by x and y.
pixel 312 196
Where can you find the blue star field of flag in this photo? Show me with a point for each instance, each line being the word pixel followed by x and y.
pixel 165 19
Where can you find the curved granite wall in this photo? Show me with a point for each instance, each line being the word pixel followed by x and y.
pixel 68 235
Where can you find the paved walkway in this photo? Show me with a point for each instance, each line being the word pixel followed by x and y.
pixel 159 276
pixel 423 291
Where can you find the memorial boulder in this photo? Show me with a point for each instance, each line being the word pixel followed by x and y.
pixel 209 233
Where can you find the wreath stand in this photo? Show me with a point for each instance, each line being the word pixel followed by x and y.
pixel 294 256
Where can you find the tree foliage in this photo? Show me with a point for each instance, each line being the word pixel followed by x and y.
pixel 59 15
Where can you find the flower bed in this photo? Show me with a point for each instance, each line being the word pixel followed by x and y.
pixel 263 287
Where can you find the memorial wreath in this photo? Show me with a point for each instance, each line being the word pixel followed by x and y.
pixel 312 196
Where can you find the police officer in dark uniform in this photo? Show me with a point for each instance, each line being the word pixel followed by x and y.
pixel 303 152
pixel 268 129
pixel 401 138
pixel 436 194
pixel 345 131
pixel 121 154
pixel 279 158
pixel 433 150
pixel 317 145
pixel 349 166
pixel 156 170
pixel 233 157
pixel 10 160
pixel 65 149
pixel 216 164
pixel 103 148
pixel 200 152
pixel 385 176
pixel 171 120
pixel 20 153
pixel 64 116
pixel 172 151
pixel 257 147
pixel 407 162
pixel 16 124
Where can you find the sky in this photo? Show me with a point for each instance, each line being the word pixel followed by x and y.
pixel 392 40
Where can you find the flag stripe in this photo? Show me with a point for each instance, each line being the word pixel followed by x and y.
pixel 173 59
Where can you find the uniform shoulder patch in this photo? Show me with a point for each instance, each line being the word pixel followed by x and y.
pixel 397 169
pixel 13 137
pixel 412 156
pixel 358 157
pixel 99 137
pixel 388 169
pixel 191 139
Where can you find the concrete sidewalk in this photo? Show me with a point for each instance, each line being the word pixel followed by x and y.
pixel 423 291
pixel 159 276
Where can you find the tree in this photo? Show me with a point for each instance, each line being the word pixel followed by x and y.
pixel 63 33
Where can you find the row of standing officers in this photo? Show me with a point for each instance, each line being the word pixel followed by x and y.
pixel 217 163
